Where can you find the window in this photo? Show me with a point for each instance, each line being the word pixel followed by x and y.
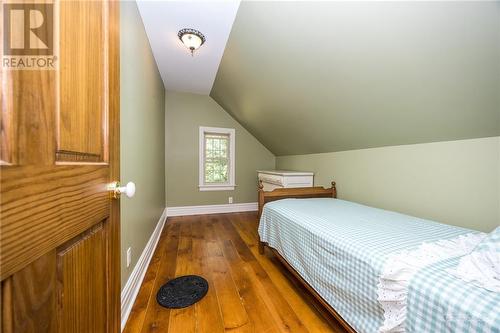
pixel 216 159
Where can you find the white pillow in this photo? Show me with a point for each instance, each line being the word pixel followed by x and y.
pixel 482 265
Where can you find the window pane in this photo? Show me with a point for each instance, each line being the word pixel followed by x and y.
pixel 216 158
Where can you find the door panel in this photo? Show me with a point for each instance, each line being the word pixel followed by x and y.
pixel 28 297
pixel 27 126
pixel 83 79
pixel 82 280
pixel 59 227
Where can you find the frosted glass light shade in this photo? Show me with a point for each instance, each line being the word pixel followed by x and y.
pixel 192 38
pixel 192 42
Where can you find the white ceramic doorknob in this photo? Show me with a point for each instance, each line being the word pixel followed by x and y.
pixel 117 190
pixel 128 189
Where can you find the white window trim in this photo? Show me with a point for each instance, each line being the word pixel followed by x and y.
pixel 230 185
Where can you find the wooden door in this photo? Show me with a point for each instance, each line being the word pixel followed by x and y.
pixel 59 229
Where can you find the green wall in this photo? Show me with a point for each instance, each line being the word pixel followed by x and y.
pixel 142 160
pixel 455 182
pixel 185 112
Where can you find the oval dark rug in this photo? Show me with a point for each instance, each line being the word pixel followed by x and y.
pixel 182 291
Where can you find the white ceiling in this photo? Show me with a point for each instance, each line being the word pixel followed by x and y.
pixel 180 71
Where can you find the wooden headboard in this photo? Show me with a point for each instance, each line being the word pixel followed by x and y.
pixel 299 192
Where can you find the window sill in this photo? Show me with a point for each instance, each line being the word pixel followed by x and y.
pixel 216 187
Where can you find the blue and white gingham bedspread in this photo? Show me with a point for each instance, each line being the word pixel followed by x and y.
pixel 440 302
pixel 340 247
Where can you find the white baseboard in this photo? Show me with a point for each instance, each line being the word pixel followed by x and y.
pixel 131 289
pixel 212 209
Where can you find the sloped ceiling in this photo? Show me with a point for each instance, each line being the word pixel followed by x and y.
pixel 310 77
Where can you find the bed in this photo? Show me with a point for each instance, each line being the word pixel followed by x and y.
pixel 352 258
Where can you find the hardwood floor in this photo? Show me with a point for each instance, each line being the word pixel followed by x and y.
pixel 247 292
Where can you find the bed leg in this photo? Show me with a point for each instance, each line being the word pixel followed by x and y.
pixel 261 247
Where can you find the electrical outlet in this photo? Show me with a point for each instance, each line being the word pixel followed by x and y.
pixel 230 200
pixel 129 256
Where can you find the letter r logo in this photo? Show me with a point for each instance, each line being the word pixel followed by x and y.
pixel 28 29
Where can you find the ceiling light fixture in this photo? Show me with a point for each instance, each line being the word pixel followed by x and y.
pixel 192 38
